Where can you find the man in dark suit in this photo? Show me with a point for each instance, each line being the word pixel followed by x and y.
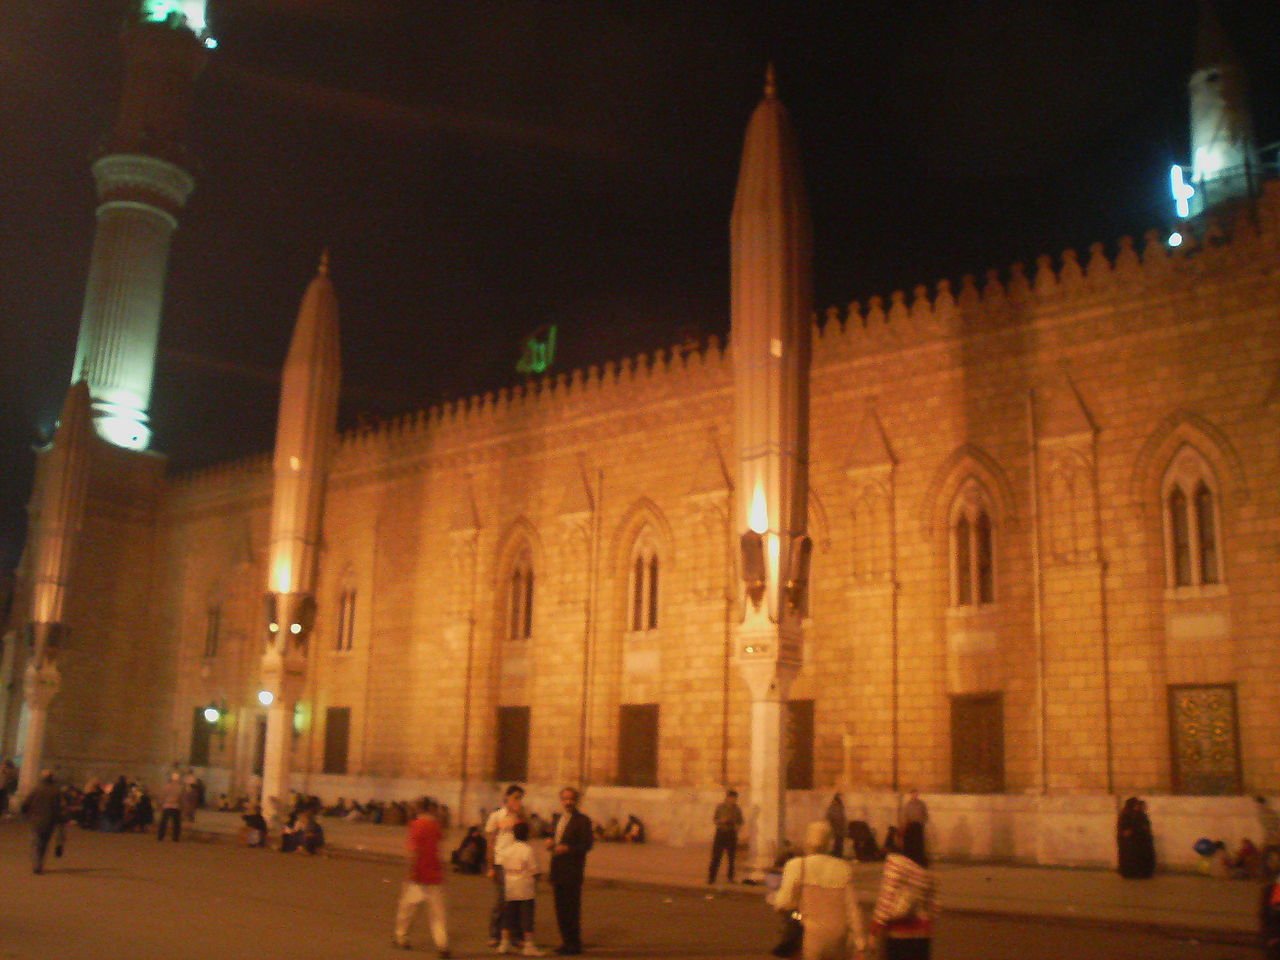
pixel 43 807
pixel 571 838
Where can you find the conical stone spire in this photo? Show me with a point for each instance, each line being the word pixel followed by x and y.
pixel 771 279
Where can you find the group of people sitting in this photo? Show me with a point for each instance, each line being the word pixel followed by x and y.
pixel 614 832
pixel 301 831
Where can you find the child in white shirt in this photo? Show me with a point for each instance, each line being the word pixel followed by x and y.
pixel 520 874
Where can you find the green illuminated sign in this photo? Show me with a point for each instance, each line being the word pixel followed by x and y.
pixel 539 351
pixel 176 13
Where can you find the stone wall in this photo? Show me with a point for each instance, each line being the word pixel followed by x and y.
pixel 1054 404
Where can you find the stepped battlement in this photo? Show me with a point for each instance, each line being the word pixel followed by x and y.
pixel 1000 300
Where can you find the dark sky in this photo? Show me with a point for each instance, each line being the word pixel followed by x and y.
pixel 482 168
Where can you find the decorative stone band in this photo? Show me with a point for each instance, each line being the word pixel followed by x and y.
pixel 140 179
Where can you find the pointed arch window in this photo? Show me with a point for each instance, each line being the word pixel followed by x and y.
pixel 973 558
pixel 1190 505
pixel 520 598
pixel 643 591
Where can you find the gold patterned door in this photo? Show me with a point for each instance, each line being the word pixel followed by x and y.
pixel 1204 735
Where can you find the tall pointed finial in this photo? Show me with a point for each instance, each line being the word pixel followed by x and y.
pixel 770 82
pixel 324 262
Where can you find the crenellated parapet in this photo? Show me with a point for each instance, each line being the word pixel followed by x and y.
pixel 1128 272
pixel 548 403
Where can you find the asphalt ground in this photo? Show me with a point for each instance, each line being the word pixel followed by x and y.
pixel 137 899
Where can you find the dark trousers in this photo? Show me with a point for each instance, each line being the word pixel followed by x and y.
pixel 40 837
pixel 906 948
pixel 726 842
pixel 499 904
pixel 519 920
pixel 569 913
pixel 168 816
pixel 838 840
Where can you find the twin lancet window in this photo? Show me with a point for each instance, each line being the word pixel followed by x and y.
pixel 644 590
pixel 1191 522
pixel 972 550
pixel 520 600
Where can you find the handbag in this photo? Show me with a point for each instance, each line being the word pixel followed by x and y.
pixel 792 941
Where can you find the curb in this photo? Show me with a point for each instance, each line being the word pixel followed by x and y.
pixel 1171 931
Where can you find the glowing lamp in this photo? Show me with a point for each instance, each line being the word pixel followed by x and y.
pixel 212 714
pixel 266 697
pixel 1182 191
pixel 758 520
pixel 1175 239
pixel 295 628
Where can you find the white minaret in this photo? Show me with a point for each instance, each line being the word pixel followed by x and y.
pixel 770 342
pixel 143 182
pixel 1224 160
pixel 304 440
pixel 62 475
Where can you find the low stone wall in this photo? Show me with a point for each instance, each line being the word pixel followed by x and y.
pixel 1067 831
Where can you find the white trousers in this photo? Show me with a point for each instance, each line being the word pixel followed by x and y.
pixel 412 896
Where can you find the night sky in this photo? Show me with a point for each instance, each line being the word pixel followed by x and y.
pixel 479 169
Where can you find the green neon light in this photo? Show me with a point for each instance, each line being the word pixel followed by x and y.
pixel 539 351
pixel 175 13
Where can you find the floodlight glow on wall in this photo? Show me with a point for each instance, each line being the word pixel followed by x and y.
pixel 266 697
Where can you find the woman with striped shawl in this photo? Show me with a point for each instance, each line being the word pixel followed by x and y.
pixel 908 900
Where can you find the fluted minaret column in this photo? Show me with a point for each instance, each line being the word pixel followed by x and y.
pixel 143 181
pixel 771 305
pixel 304 440
pixel 1224 159
pixel 57 512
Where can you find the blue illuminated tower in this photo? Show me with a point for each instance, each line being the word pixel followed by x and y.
pixel 143 179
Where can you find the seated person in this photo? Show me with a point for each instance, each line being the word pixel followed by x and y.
pixel 892 843
pixel 1246 862
pixel 865 848
pixel 633 832
pixel 255 827
pixel 337 809
pixel 305 834
pixel 612 831
pixel 469 857
pixel 223 805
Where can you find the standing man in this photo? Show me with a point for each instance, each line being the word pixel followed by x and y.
pixel 171 807
pixel 914 811
pixel 425 883
pixel 839 821
pixel 43 808
pixel 497 831
pixel 571 838
pixel 728 821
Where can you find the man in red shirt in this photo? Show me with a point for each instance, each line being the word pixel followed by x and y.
pixel 425 883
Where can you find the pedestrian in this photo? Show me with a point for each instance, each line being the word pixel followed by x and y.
pixel 190 797
pixel 171 807
pixel 914 810
pixel 498 835
pixel 8 785
pixel 1269 919
pixel 1269 823
pixel 425 883
pixel 728 821
pixel 1135 845
pixel 907 905
pixel 819 887
pixel 43 810
pixel 839 822
pixel 520 878
pixel 571 839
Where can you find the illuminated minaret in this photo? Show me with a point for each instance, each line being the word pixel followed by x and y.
pixel 1224 161
pixel 304 440
pixel 62 474
pixel 770 320
pixel 143 179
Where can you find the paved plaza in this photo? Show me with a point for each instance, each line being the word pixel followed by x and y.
pixel 132 895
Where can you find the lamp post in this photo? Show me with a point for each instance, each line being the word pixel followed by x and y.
pixel 771 306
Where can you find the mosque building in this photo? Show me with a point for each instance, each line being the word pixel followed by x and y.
pixel 1013 543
